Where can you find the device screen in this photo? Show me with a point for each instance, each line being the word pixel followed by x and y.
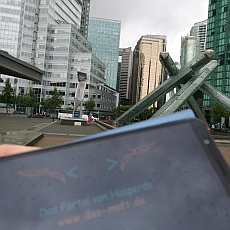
pixel 158 179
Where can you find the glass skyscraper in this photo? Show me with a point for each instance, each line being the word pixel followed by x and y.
pixel 10 12
pixel 104 35
pixel 47 34
pixel 218 39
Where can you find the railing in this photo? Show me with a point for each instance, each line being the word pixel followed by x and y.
pixel 104 125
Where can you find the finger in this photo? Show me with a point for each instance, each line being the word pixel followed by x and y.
pixel 6 150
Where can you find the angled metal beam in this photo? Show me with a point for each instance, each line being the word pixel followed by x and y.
pixel 168 63
pixel 216 95
pixel 182 76
pixel 153 96
pixel 171 69
pixel 192 104
pixel 187 90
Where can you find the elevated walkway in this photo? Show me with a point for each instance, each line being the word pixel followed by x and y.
pixel 12 66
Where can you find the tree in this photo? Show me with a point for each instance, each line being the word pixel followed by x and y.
pixel 90 104
pixel 146 114
pixel 54 102
pixel 219 111
pixel 8 95
pixel 119 110
pixel 29 100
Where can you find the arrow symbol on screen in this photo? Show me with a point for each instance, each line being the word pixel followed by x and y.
pixel 71 174
pixel 113 163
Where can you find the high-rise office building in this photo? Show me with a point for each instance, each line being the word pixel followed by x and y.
pixel 47 34
pixel 9 26
pixel 85 18
pixel 125 73
pixel 147 69
pixel 199 30
pixel 218 37
pixel 104 34
pixel 193 44
pixel 190 48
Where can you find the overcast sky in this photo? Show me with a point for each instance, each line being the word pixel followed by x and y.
pixel 173 18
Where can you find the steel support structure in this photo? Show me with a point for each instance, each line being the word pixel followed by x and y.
pixel 187 90
pixel 179 77
pixel 187 81
pixel 216 95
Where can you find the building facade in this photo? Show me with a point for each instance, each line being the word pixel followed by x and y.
pixel 104 34
pixel 194 43
pixel 218 35
pixel 125 73
pixel 199 30
pixel 85 18
pixel 49 37
pixel 190 48
pixel 147 69
pixel 9 26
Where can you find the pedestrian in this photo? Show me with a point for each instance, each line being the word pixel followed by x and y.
pixel 89 117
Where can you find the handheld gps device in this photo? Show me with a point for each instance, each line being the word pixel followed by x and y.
pixel 161 174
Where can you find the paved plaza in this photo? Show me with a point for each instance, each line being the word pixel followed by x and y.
pixel 23 130
pixel 53 133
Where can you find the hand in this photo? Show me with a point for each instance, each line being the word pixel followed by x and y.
pixel 7 150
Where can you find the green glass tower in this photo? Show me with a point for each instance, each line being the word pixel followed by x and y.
pixel 104 34
pixel 218 39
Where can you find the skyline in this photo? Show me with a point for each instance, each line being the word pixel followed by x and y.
pixel 177 24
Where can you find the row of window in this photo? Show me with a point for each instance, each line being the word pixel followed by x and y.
pixel 104 23
pixel 53 66
pixel 57 57
pixel 81 60
pixel 8 46
pixel 10 11
pixel 30 8
pixel 27 36
pixel 43 10
pixel 26 45
pixel 11 2
pixel 10 20
pixel 9 28
pixel 26 54
pixel 81 40
pixel 57 75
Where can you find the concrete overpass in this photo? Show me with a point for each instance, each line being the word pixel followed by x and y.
pixel 12 66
